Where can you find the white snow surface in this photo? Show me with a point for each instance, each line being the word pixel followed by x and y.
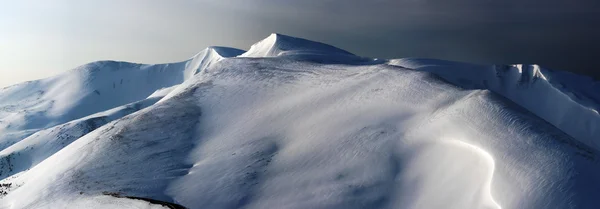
pixel 299 124
pixel 567 101
pixel 32 106
pixel 277 44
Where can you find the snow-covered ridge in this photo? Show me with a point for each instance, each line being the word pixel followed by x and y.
pixel 94 87
pixel 276 44
pixel 209 56
pixel 32 150
pixel 568 101
pixel 551 95
pixel 300 124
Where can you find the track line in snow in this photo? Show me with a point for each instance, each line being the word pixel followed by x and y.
pixel 439 169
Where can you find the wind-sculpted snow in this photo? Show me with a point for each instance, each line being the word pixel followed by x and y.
pixel 569 102
pixel 308 130
pixel 472 175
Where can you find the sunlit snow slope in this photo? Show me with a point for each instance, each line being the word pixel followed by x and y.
pixel 299 124
pixel 32 106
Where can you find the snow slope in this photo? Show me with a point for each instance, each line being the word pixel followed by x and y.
pixel 32 106
pixel 41 145
pixel 568 101
pixel 298 124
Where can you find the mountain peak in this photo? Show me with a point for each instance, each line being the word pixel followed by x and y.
pixel 225 51
pixel 313 126
pixel 207 57
pixel 277 44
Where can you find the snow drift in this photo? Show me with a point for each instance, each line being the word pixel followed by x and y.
pixel 299 124
pixel 568 101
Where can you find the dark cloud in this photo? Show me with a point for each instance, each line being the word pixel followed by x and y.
pixel 560 34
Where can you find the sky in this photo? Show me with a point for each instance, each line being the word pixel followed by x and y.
pixel 41 38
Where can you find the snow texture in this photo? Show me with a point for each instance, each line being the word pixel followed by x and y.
pixel 299 124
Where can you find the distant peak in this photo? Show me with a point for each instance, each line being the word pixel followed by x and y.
pixel 207 57
pixel 225 51
pixel 275 36
pixel 276 43
pixel 281 37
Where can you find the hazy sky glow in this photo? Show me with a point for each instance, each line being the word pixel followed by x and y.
pixel 42 38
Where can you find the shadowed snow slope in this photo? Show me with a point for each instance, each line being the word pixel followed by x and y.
pixel 283 132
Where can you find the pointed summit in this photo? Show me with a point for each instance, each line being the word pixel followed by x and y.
pixel 207 57
pixel 226 52
pixel 278 44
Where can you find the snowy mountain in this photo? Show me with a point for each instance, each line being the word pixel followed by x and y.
pixel 293 123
